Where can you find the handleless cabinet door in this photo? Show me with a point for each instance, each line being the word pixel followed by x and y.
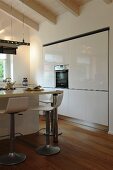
pixel 77 104
pixel 89 62
pixel 91 106
pixel 64 107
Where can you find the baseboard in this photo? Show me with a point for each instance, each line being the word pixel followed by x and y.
pixel 84 123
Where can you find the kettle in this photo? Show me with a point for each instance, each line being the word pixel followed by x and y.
pixel 9 84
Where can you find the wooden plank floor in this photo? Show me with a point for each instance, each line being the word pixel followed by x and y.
pixel 81 149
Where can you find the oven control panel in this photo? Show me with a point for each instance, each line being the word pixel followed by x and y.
pixel 61 67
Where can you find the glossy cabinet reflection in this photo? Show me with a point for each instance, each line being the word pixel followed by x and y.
pixel 90 106
pixel 53 55
pixel 64 107
pixel 89 62
pixel 87 96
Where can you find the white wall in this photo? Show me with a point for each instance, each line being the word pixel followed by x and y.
pixel 94 15
pixel 21 64
pixel 35 58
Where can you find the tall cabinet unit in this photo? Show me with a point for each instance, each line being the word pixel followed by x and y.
pixel 88 78
pixel 88 92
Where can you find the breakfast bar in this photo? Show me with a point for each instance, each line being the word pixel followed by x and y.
pixel 27 122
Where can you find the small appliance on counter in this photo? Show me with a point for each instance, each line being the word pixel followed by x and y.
pixel 9 84
pixel 25 81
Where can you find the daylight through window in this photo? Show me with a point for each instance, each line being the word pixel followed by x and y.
pixel 5 68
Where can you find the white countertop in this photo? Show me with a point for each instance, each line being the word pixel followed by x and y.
pixel 22 92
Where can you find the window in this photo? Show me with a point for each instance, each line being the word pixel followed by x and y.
pixel 1 69
pixel 5 66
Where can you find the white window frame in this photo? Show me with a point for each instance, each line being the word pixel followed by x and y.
pixel 7 66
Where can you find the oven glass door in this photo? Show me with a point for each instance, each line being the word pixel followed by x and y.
pixel 62 78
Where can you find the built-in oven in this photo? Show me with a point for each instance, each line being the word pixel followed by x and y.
pixel 61 75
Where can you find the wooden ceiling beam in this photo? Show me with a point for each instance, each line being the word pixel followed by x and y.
pixel 71 5
pixel 16 14
pixel 41 9
pixel 108 1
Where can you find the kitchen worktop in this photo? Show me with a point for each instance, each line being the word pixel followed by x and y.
pixel 22 92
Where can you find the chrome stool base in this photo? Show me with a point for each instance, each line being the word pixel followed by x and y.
pixel 12 158
pixel 48 150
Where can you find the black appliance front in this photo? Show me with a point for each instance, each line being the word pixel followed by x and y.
pixel 62 79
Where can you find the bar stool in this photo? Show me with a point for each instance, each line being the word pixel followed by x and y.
pixel 50 102
pixel 14 106
pixel 48 149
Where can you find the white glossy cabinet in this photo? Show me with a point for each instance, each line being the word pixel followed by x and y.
pixel 64 107
pixel 91 106
pixel 89 62
pixel 48 75
pixel 77 104
pixel 53 55
pixel 87 96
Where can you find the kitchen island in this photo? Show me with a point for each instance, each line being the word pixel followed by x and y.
pixel 25 122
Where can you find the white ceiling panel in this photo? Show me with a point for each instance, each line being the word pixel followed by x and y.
pixel 55 8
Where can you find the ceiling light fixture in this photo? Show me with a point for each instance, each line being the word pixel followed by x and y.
pixel 10 43
pixel 8 46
